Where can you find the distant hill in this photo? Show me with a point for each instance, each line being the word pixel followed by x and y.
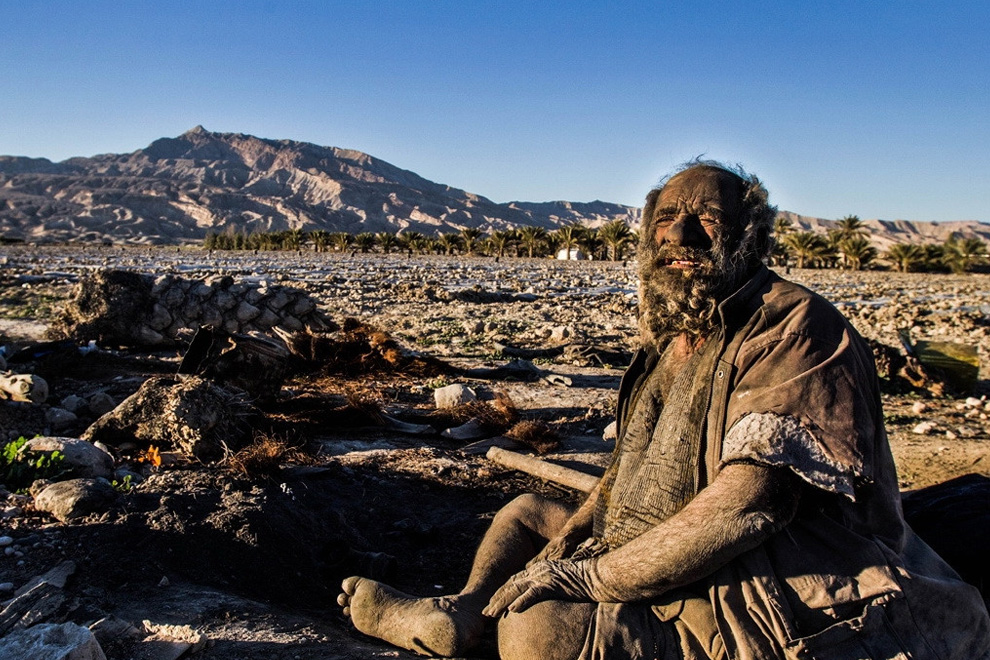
pixel 178 189
pixel 884 233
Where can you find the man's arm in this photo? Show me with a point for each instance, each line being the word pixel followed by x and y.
pixel 741 508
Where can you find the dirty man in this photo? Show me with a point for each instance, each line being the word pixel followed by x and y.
pixel 751 507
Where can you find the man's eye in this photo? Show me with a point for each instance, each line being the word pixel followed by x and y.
pixel 664 220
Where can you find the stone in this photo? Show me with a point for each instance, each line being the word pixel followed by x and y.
pixel 474 327
pixel 101 403
pixel 52 641
pixel 27 388
pixel 160 318
pixel 560 333
pixel 303 306
pixel 610 432
pixel 74 404
pixel 919 407
pixel 246 312
pixel 185 413
pixel 924 428
pixel 75 498
pixel 454 395
pixel 5 541
pixel 59 419
pixel 85 459
pixel 150 337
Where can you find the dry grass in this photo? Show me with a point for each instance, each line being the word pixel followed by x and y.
pixel 498 414
pixel 263 458
pixel 536 435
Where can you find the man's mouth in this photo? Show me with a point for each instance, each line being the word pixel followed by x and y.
pixel 680 263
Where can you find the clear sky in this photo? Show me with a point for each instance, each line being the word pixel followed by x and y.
pixel 874 108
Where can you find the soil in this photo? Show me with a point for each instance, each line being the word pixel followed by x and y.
pixel 253 557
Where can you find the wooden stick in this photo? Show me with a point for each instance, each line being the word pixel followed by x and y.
pixel 557 474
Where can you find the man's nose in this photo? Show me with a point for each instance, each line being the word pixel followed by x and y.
pixel 686 231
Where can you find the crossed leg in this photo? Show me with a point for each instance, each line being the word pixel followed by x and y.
pixel 450 625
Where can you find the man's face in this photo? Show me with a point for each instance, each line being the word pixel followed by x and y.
pixel 695 209
pixel 689 259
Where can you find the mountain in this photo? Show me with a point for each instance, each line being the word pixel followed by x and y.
pixel 178 189
pixel 884 233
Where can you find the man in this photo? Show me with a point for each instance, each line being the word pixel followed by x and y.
pixel 751 507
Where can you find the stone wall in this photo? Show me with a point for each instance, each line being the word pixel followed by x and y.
pixel 122 308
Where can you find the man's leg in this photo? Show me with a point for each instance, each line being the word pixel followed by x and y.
pixel 549 630
pixel 449 625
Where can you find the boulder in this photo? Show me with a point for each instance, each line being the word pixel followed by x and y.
pixel 50 641
pixel 184 413
pixel 59 419
pixel 85 459
pixel 75 498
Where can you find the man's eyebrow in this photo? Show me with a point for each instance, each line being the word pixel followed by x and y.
pixel 713 211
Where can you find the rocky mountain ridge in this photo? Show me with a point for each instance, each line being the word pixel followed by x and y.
pixel 177 190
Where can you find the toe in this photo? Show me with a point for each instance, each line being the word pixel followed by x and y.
pixel 343 600
pixel 349 585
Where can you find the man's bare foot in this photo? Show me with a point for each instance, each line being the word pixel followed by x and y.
pixel 432 626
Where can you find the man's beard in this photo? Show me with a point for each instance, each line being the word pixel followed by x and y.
pixel 676 300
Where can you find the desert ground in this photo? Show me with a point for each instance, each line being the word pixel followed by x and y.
pixel 252 559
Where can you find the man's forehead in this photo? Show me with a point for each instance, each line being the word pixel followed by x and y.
pixel 704 184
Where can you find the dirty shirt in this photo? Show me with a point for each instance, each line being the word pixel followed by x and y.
pixel 787 383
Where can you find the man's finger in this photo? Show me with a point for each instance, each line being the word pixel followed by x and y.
pixel 531 596
pixel 506 594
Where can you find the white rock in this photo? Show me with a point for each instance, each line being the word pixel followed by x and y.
pixel 472 430
pixel 86 459
pixel 50 641
pixel 973 402
pixel 454 395
pixel 919 407
pixel 923 428
pixel 610 431
pixel 560 333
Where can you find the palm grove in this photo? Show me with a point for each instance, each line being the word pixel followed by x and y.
pixel 846 245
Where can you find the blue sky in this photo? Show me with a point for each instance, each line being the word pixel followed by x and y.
pixel 880 109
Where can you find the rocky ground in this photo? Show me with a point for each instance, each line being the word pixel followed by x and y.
pixel 251 558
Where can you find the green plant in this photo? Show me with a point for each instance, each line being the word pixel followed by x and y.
pixel 18 470
pixel 124 486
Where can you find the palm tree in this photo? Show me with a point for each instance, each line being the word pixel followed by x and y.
pixel 449 243
pixel 850 227
pixel 593 245
pixel 960 255
pixel 407 240
pixel 857 251
pixel 320 239
pixel 616 235
pixel 365 241
pixel 341 240
pixel 532 238
pixel 294 239
pixel 470 237
pixel 569 237
pixel 906 256
pixel 807 246
pixel 386 240
pixel 500 241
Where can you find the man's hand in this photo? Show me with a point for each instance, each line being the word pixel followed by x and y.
pixel 546 580
pixel 559 547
